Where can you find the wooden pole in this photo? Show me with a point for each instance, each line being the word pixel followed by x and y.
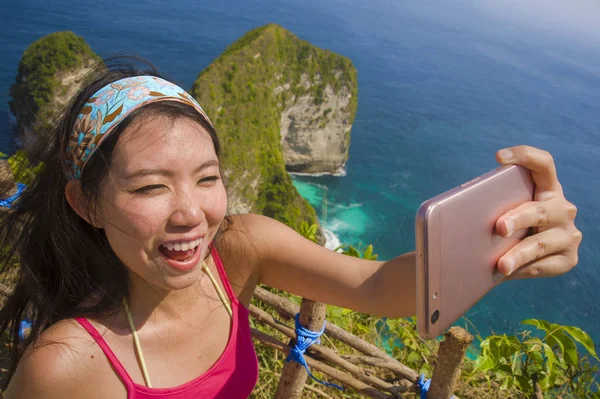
pixel 293 375
pixel 330 356
pixel 537 389
pixel 447 368
pixel 287 309
pixel 344 378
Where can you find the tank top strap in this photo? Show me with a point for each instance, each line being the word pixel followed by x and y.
pixel 112 359
pixel 223 275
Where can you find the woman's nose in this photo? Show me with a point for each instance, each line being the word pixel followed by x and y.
pixel 187 212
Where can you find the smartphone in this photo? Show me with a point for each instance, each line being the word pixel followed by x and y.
pixel 457 247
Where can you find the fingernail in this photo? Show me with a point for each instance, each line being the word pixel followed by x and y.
pixel 510 226
pixel 510 262
pixel 505 154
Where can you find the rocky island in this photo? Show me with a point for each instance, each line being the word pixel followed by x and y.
pixel 279 105
pixel 50 72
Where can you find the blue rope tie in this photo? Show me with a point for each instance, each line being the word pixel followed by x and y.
pixel 24 328
pixel 306 338
pixel 423 385
pixel 7 203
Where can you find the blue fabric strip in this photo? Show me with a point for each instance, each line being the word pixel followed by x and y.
pixel 7 203
pixel 306 338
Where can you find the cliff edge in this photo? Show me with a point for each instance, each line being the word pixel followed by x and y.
pixel 279 104
pixel 51 70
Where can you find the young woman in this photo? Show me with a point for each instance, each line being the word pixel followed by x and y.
pixel 138 282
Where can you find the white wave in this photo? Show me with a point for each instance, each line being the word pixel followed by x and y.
pixel 321 186
pixel 341 172
pixel 337 225
pixel 331 240
pixel 345 207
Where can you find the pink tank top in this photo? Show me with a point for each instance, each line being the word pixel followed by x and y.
pixel 233 376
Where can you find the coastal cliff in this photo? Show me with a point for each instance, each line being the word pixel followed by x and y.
pixel 51 70
pixel 315 134
pixel 279 104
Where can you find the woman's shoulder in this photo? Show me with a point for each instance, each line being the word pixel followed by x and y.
pixel 238 247
pixel 56 364
pixel 256 236
pixel 249 227
pixel 238 234
pixel 244 236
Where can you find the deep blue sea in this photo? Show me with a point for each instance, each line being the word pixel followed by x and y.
pixel 441 88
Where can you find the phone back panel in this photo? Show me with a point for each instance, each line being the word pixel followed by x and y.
pixel 458 248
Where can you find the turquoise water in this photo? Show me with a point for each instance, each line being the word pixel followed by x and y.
pixel 441 88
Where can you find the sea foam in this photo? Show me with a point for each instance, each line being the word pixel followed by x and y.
pixel 331 240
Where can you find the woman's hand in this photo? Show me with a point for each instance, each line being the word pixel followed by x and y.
pixel 552 249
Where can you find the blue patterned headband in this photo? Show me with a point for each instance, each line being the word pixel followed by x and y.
pixel 109 106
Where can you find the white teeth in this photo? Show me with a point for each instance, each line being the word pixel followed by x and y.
pixel 183 246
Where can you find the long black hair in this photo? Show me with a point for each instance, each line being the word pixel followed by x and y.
pixel 54 258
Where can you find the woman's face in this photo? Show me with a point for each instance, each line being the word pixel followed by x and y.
pixel 163 200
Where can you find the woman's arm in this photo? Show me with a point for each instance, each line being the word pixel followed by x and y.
pixel 290 262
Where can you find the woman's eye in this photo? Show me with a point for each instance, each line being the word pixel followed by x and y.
pixel 149 189
pixel 208 180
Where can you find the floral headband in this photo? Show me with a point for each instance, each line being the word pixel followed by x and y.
pixel 109 106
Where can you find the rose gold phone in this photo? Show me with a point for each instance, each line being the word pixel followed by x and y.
pixel 458 248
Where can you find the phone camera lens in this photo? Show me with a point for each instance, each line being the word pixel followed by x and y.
pixel 435 316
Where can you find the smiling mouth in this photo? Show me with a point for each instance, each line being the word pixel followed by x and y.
pixel 178 255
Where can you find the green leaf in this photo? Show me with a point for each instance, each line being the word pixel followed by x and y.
pixel 509 346
pixel 550 367
pixel 523 383
pixel 553 342
pixel 569 348
pixel 539 324
pixel 368 252
pixel 505 369
pixel 495 348
pixel 533 342
pixel 413 358
pixel 484 363
pixel 352 252
pixel 340 248
pixel 583 338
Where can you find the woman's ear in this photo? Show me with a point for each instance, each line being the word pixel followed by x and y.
pixel 77 201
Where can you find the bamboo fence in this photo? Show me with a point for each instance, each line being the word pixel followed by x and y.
pixel 353 370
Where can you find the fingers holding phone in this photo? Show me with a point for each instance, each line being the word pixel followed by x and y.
pixel 509 223
pixel 553 247
pixel 541 255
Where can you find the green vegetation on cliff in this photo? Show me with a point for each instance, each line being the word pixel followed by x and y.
pixel 245 91
pixel 38 83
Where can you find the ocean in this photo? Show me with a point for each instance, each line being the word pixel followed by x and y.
pixel 441 88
